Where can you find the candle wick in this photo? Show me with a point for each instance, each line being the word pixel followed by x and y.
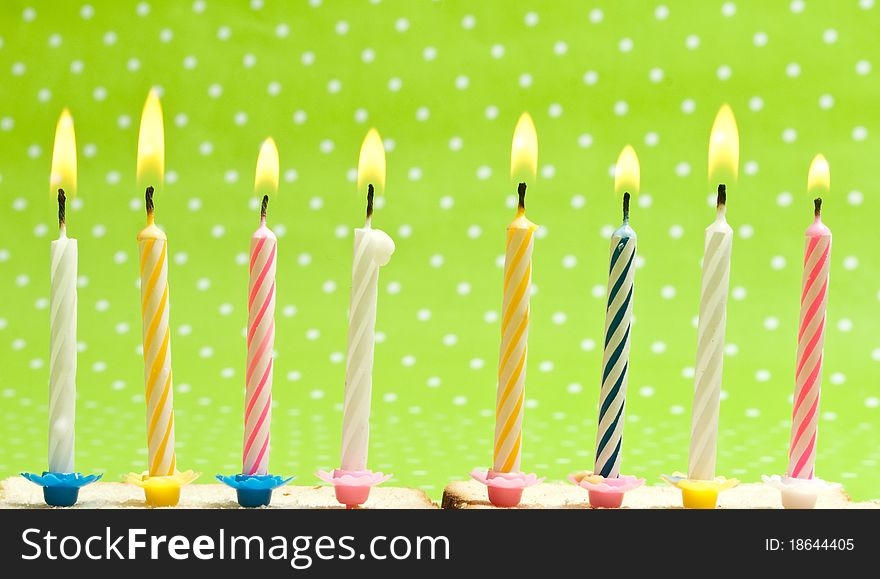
pixel 722 196
pixel 626 207
pixel 263 208
pixel 62 217
pixel 369 202
pixel 148 196
pixel 521 191
pixel 818 207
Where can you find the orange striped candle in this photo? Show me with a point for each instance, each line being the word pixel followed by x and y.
pixel 515 310
pixel 153 249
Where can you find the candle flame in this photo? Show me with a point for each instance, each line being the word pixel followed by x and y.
pixel 371 163
pixel 151 144
pixel 724 148
pixel 626 173
pixel 63 175
pixel 819 177
pixel 266 180
pixel 524 151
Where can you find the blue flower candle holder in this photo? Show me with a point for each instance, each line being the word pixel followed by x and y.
pixel 254 490
pixel 61 489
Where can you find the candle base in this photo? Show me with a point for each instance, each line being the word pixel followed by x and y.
pixel 606 493
pixel 254 490
pixel 61 489
pixel 700 494
pixel 799 493
pixel 505 489
pixel 162 491
pixel 352 486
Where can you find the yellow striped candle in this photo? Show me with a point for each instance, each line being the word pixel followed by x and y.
pixel 153 249
pixel 515 309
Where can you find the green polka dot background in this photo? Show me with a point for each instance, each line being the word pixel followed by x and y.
pixel 444 82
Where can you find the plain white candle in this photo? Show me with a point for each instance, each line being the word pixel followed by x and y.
pixel 710 345
pixel 62 361
pixel 372 250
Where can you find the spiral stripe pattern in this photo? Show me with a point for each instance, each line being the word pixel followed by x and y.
pixel 260 346
pixel 514 340
pixel 359 362
pixel 710 353
pixel 157 356
pixel 615 359
pixel 811 338
pixel 62 357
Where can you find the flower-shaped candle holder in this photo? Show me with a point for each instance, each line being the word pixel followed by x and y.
pixel 162 491
pixel 352 486
pixel 606 493
pixel 254 490
pixel 61 489
pixel 505 488
pixel 699 494
pixel 799 493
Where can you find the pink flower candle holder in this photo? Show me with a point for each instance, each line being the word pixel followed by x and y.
pixel 505 488
pixel 606 493
pixel 352 486
pixel 799 493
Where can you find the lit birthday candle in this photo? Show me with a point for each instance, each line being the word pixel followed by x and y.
pixel 261 323
pixel 62 306
pixel 811 336
pixel 723 164
pixel 515 306
pixel 153 250
pixel 372 250
pixel 618 323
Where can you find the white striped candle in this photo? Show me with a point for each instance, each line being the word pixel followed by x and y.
pixel 710 344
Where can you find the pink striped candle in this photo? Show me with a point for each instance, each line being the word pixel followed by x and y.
pixel 811 336
pixel 261 329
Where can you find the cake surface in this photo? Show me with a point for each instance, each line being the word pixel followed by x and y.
pixel 472 495
pixel 16 492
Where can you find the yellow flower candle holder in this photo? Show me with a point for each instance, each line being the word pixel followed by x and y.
pixel 162 491
pixel 699 494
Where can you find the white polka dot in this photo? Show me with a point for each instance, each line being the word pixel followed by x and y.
pixel 683 169
pixel 759 39
pixel 837 378
pixel 559 318
pixel 676 231
pixel 658 347
pixel 850 262
pixel 752 413
pixel 655 75
pixel 688 106
pixel 859 134
pixel 845 325
pixel 450 340
pixel 401 25
pixel 692 42
pixel 463 288
pixel 746 231
pixel 872 402
pixel 756 103
pixel 621 108
pixel 307 58
pixel 560 48
pixel 591 77
pixel 429 53
pixel 625 45
pixel 728 9
pixel 667 292
pixel 793 70
pixel 797 6
pixel 598 291
pixel 531 19
pixel 724 72
pixel 661 12
pixel 497 51
pixel 762 375
pixel 829 36
pixel 525 80
pixel 676 409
